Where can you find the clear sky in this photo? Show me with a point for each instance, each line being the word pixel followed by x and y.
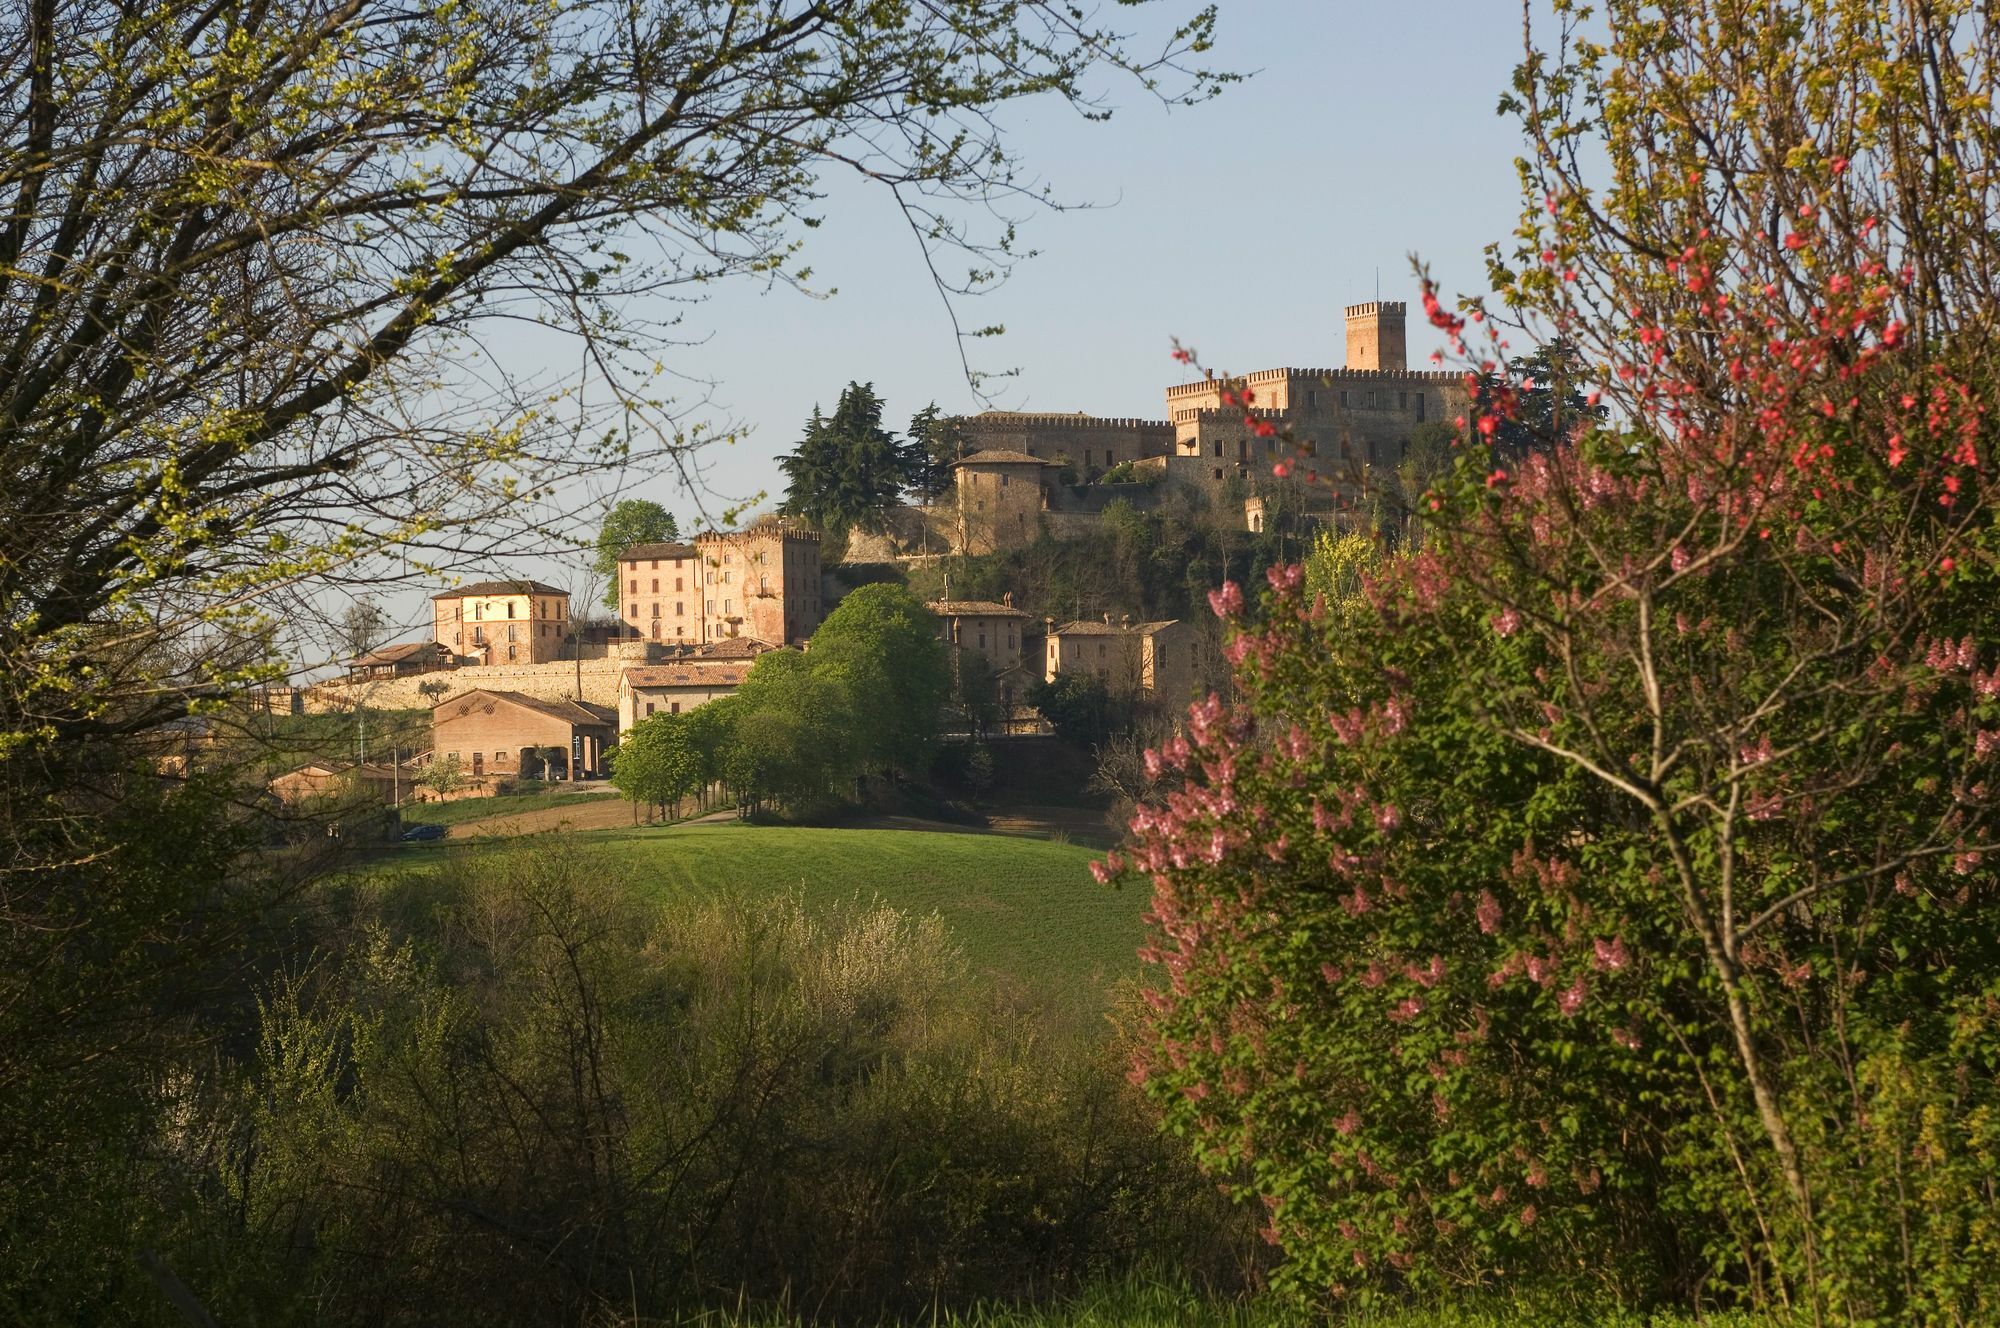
pixel 1242 226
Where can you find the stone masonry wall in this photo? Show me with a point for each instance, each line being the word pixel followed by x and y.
pixel 555 681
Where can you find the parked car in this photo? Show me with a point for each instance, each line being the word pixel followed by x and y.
pixel 417 834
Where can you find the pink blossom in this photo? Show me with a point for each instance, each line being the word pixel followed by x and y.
pixel 1284 576
pixel 1506 622
pixel 1348 1123
pixel 1611 955
pixel 1681 558
pixel 1528 1216
pixel 1331 973
pixel 1488 912
pixel 1227 600
pixel 1387 818
pixel 1625 1038
pixel 1571 999
pixel 1539 969
pixel 1407 1009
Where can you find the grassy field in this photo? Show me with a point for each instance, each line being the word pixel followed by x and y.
pixel 1026 910
pixel 478 809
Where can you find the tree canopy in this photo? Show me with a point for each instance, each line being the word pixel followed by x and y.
pixel 632 521
pixel 847 471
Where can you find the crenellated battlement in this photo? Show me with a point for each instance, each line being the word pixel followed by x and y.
pixel 1204 386
pixel 1020 419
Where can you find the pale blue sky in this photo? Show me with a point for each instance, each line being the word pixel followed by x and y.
pixel 1242 226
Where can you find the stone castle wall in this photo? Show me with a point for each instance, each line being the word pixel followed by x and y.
pixel 1094 445
pixel 553 681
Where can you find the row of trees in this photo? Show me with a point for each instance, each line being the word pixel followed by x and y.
pixel 848 471
pixel 863 700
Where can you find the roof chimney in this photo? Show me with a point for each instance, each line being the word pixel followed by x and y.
pixel 1007 598
pixel 1107 619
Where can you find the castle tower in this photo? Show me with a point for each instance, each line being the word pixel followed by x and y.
pixel 1375 337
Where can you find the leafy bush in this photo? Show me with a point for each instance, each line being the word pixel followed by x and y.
pixel 519 1096
pixel 1603 901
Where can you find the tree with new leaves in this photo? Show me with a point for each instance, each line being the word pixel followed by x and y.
pixel 632 521
pixel 847 471
pixel 1605 899
pixel 656 762
pixel 256 262
pixel 882 642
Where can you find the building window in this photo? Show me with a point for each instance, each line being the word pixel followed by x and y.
pixel 1218 472
pixel 656 608
pixel 510 608
pixel 678 610
pixel 711 606
pixel 1402 401
pixel 511 652
pixel 656 631
pixel 1343 400
pixel 1312 397
pixel 1420 408
pixel 1003 481
pixel 678 585
pixel 656 585
pixel 632 610
pixel 656 564
pixel 479 636
pixel 727 607
pixel 1218 447
pixel 635 585
pixel 649 707
pixel 673 707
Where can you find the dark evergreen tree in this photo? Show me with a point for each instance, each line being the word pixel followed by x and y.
pixel 935 441
pixel 1549 411
pixel 847 471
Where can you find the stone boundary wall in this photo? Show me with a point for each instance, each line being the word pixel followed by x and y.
pixel 553 681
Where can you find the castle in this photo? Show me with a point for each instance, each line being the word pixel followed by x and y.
pixel 1023 475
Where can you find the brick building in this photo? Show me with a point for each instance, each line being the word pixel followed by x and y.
pixel 510 734
pixel 762 582
pixel 502 622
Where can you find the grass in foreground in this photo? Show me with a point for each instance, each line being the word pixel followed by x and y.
pixel 1142 1304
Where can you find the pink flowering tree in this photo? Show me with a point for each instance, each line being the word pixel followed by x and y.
pixel 1607 900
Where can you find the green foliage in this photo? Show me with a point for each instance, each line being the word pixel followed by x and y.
pixel 737 1100
pixel 933 442
pixel 847 472
pixel 882 643
pixel 1080 708
pixel 632 521
pixel 445 774
pixel 1549 412
pixel 1337 563
pixel 657 760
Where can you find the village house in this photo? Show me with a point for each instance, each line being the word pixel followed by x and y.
pixel 762 582
pixel 669 689
pixel 381 781
pixel 401 660
pixel 996 632
pixel 503 733
pixel 502 622
pixel 1154 661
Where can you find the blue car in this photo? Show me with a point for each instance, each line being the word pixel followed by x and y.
pixel 417 834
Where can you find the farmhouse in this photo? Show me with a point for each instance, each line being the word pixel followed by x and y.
pixel 507 733
pixel 995 632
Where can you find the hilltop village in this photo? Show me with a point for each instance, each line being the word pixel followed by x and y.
pixel 511 676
